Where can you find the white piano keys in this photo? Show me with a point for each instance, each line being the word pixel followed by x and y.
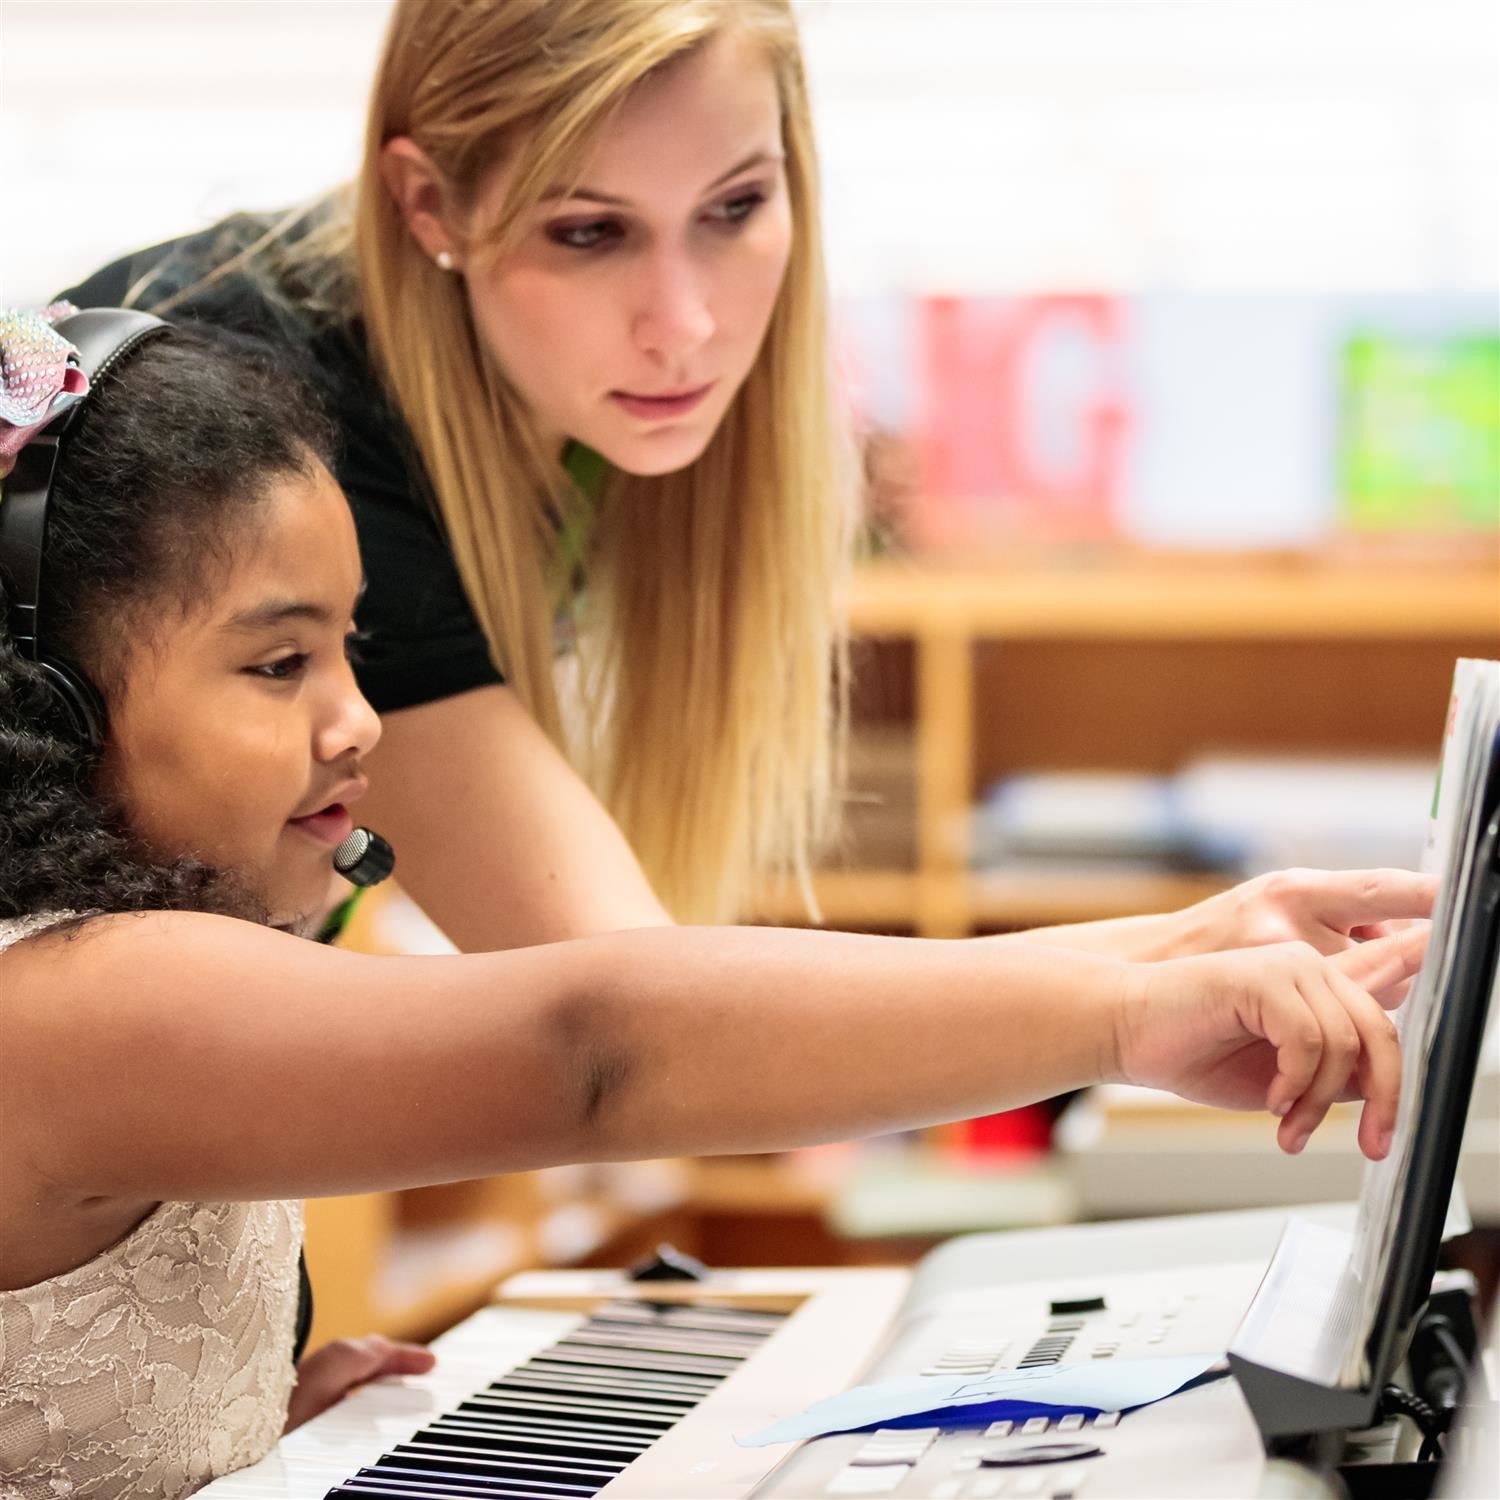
pixel 822 1340
pixel 373 1419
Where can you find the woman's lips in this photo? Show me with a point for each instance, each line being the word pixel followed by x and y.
pixel 330 825
pixel 660 408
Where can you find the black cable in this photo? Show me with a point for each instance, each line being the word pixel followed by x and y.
pixel 1445 1387
pixel 1396 1402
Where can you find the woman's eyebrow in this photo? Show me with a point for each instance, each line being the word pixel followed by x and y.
pixel 755 159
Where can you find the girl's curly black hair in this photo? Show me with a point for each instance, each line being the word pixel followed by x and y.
pixel 159 481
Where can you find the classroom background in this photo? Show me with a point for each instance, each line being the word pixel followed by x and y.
pixel 1171 332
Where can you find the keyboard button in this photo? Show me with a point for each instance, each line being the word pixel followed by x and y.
pixel 987 1485
pixel 1034 1455
pixel 1107 1419
pixel 1072 1422
pixel 852 1481
pixel 999 1429
pixel 946 1489
pixel 903 1437
pixel 1034 1425
pixel 868 1457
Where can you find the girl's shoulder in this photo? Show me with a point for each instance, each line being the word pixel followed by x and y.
pixel 106 938
pixel 14 929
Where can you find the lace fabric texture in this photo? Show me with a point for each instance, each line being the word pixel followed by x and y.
pixel 157 1366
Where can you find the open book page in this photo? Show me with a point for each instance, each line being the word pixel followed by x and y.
pixel 1301 1321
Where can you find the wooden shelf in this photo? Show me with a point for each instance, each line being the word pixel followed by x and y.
pixel 1178 598
pixel 846 898
pixel 1166 604
pixel 1006 899
pixel 889 898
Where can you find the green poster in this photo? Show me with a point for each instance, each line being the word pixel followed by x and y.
pixel 1420 442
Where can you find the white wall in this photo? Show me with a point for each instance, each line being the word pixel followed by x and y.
pixel 970 145
pixel 1140 145
pixel 127 121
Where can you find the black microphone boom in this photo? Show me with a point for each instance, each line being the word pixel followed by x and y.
pixel 364 858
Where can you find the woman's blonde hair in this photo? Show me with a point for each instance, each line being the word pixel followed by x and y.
pixel 710 667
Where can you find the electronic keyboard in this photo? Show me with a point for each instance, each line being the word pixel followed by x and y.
pixel 578 1384
pixel 581 1383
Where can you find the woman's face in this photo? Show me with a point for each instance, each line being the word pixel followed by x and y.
pixel 634 306
pixel 238 734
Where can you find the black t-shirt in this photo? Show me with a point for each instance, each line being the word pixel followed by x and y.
pixel 424 641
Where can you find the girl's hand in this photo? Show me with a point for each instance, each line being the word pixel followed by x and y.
pixel 328 1374
pixel 1283 1028
pixel 1332 910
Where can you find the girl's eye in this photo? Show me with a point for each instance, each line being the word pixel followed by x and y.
pixel 283 669
pixel 589 236
pixel 736 210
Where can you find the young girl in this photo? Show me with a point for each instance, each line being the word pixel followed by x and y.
pixel 179 1068
pixel 571 323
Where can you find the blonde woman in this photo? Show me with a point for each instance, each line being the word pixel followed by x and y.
pixel 571 323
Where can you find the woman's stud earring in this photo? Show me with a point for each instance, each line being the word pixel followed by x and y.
pixel 444 259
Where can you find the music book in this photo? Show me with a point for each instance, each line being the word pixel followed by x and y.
pixel 1336 1309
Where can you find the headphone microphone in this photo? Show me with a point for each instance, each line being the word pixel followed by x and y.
pixel 364 858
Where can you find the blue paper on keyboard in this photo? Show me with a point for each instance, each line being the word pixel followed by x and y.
pixel 1106 1385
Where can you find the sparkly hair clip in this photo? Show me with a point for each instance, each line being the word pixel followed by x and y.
pixel 40 376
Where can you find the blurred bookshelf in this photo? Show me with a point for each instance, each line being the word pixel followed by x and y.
pixel 1119 659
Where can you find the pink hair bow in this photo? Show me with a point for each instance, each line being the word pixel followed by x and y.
pixel 40 376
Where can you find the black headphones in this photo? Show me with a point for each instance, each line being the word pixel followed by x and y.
pixel 103 336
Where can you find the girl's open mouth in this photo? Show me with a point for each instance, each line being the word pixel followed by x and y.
pixel 330 825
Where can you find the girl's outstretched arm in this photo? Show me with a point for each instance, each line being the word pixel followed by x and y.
pixel 183 1056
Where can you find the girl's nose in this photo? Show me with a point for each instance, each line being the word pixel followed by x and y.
pixel 351 725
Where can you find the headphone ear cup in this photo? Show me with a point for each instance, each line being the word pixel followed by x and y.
pixel 79 702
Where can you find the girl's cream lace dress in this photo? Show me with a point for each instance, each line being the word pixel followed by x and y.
pixel 160 1364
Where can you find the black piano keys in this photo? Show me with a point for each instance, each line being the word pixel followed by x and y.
pixel 565 1423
